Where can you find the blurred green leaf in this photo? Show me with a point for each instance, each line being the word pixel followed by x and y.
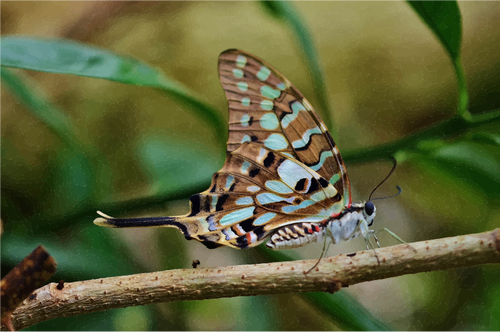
pixel 445 21
pixel 271 7
pixel 473 162
pixel 175 164
pixel 340 307
pixel 486 137
pixel 68 57
pixel 86 252
pixel 285 11
pixel 38 104
pixel 349 313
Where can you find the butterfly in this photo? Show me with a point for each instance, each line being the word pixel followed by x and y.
pixel 283 180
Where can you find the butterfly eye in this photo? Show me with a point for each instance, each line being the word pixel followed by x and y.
pixel 369 208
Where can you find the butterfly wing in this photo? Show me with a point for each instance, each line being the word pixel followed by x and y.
pixel 257 191
pixel 265 107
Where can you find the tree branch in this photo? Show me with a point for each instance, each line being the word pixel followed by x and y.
pixel 330 275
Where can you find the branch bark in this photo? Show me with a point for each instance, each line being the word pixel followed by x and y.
pixel 330 275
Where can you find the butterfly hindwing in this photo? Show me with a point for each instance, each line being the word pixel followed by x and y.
pixel 265 107
pixel 257 191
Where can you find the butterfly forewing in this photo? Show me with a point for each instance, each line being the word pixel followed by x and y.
pixel 283 175
pixel 265 107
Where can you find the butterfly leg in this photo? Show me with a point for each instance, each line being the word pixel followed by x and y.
pixel 396 238
pixel 330 235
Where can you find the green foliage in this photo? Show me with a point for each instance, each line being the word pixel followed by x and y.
pixel 78 176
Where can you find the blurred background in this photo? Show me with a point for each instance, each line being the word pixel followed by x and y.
pixel 387 77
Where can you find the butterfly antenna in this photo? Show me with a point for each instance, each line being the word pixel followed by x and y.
pixel 388 175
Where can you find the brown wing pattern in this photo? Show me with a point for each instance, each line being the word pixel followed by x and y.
pixel 256 192
pixel 265 107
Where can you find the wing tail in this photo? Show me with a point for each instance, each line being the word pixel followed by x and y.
pixel 107 221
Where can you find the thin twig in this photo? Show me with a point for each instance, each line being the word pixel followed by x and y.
pixel 330 275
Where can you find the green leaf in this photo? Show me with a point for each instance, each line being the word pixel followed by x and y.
pixel 348 313
pixel 445 21
pixel 175 165
pixel 39 105
pixel 472 162
pixel 68 57
pixel 285 11
pixel 486 137
pixel 340 307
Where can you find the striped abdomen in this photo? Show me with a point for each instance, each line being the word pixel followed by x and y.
pixel 296 235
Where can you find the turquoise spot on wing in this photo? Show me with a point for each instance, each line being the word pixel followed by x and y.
pixel 237 216
pixel 245 166
pixel 215 198
pixel 244 120
pixel 238 73
pixel 281 86
pixel 291 172
pixel 269 92
pixel 335 178
pixel 288 154
pixel 319 196
pixel 305 138
pixel 292 208
pixel 296 108
pixel 242 86
pixel 330 191
pixel 229 181
pixel 241 61
pixel 267 198
pixel 245 101
pixel 204 224
pixel 278 187
pixel 263 73
pixel 244 201
pixel 269 121
pixel 246 138
pixel 253 189
pixel 266 105
pixel 276 142
pixel 322 158
pixel 264 218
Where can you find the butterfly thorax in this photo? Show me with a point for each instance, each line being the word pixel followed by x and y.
pixel 350 223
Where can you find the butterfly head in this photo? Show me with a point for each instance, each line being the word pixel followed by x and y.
pixel 369 211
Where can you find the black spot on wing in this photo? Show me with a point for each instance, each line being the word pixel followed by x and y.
pixel 250 121
pixel 337 197
pixel 214 183
pixel 314 186
pixel 323 182
pixel 259 231
pixel 253 173
pixel 247 225
pixel 211 245
pixel 254 138
pixel 300 185
pixel 195 205
pixel 269 159
pixel 242 242
pixel 220 202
